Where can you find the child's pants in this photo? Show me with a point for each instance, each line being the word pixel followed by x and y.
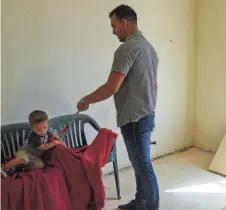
pixel 32 162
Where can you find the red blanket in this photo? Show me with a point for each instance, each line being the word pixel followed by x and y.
pixel 72 179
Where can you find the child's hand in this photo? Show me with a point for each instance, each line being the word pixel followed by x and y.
pixel 56 138
pixel 56 142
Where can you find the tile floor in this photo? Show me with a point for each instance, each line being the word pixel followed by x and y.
pixel 184 181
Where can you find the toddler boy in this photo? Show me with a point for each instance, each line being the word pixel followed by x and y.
pixel 29 154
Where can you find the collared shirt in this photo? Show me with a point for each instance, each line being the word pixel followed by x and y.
pixel 138 61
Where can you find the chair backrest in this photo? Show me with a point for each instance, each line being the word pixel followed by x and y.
pixel 12 137
pixel 75 136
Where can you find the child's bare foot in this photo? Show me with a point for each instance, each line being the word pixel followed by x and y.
pixel 4 173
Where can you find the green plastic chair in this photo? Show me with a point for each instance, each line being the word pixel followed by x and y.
pixel 75 137
pixel 12 137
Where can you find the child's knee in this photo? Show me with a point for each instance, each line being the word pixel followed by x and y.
pixel 37 164
pixel 42 164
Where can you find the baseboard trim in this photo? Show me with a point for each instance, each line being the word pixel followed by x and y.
pixel 204 150
pixel 162 156
pixel 153 159
pixel 171 153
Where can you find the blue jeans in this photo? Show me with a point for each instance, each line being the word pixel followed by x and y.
pixel 137 137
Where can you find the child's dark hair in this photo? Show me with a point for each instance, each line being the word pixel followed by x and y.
pixel 37 116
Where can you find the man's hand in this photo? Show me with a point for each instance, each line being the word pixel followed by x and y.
pixel 82 106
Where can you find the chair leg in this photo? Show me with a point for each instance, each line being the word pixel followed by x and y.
pixel 115 165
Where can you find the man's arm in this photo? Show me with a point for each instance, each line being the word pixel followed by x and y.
pixel 123 60
pixel 105 91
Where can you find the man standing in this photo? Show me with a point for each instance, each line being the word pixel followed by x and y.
pixel 133 82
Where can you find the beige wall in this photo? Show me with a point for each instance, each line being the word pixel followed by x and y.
pixel 210 120
pixel 56 51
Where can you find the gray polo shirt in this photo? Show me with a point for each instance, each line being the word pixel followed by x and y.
pixel 138 61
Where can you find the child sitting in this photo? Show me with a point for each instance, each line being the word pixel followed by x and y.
pixel 31 151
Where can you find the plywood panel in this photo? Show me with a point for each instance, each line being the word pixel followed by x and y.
pixel 218 163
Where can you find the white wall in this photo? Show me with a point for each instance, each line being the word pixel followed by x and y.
pixel 210 120
pixel 56 51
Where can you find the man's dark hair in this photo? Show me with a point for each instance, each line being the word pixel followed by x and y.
pixel 37 116
pixel 124 12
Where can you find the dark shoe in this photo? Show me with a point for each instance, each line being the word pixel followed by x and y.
pixel 128 206
pixel 133 205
